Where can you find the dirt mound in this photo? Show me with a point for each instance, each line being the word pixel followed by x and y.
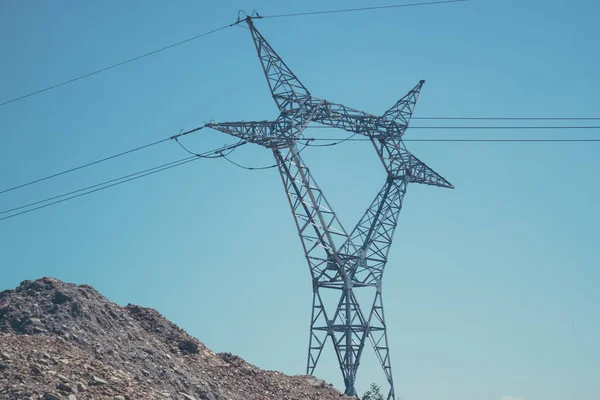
pixel 64 341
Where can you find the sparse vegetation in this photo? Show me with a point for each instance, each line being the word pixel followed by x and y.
pixel 374 393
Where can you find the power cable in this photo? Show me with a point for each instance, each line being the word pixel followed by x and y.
pixel 329 144
pixel 114 182
pixel 240 143
pixel 99 161
pixel 512 118
pixel 281 16
pixel 262 168
pixel 249 168
pixel 83 166
pixel 92 186
pixel 176 138
pixel 504 127
pixel 230 148
pixel 351 138
pixel 447 140
pixel 189 159
pixel 482 127
pixel 115 65
pixel 209 33
pixel 360 9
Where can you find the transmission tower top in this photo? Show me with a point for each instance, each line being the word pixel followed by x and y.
pixel 243 17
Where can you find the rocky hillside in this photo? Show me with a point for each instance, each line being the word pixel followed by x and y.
pixel 63 341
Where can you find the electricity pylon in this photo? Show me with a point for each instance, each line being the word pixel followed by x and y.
pixel 338 261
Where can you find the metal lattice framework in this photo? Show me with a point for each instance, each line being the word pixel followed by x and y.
pixel 338 261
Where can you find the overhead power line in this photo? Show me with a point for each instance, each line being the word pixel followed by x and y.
pixel 341 140
pixel 281 16
pixel 263 167
pixel 98 161
pixel 175 137
pixel 504 127
pixel 250 168
pixel 345 10
pixel 184 161
pixel 77 78
pixel 114 182
pixel 512 118
pixel 92 186
pixel 114 65
pixel 223 152
pixel 481 127
pixel 83 166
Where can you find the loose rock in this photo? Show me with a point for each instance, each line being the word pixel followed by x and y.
pixel 98 381
pixel 63 341
pixel 64 387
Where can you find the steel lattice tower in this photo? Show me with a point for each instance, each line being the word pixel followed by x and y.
pixel 339 261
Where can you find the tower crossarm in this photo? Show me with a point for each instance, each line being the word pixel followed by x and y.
pixel 349 119
pixel 264 133
pixel 281 133
pixel 392 124
pixel 401 164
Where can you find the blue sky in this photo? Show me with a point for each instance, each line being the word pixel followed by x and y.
pixel 491 289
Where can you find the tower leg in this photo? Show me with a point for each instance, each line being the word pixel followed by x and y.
pixel 379 340
pixel 318 332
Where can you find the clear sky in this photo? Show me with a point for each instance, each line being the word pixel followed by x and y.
pixel 491 291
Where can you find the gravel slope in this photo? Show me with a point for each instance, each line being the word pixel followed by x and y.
pixel 64 341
